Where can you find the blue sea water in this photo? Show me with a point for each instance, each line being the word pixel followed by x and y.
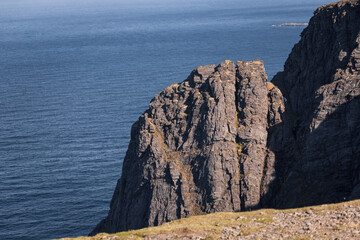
pixel 75 75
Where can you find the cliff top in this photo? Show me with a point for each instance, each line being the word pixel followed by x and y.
pixel 329 221
pixel 338 4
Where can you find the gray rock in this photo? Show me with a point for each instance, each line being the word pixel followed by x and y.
pixel 319 157
pixel 201 147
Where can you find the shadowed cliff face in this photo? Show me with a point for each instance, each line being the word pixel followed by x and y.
pixel 318 156
pixel 225 140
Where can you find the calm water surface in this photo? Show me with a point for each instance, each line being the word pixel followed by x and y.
pixel 75 76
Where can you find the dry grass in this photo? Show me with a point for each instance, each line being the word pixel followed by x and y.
pixel 211 226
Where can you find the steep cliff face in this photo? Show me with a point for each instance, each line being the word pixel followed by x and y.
pixel 318 154
pixel 225 140
pixel 200 148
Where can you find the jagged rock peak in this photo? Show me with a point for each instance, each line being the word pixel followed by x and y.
pixel 201 147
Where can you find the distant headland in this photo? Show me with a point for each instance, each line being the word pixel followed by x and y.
pixel 290 24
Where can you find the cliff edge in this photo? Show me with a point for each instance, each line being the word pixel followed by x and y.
pixel 226 139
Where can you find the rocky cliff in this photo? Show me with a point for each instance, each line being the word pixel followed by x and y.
pixel 225 139
pixel 200 148
pixel 318 153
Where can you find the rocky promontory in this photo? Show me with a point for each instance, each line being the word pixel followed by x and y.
pixel 200 148
pixel 290 24
pixel 226 139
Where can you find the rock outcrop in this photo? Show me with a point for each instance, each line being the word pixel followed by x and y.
pixel 225 139
pixel 319 154
pixel 200 148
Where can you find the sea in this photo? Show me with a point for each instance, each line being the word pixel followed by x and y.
pixel 75 75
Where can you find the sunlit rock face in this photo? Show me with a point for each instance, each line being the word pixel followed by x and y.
pixel 201 147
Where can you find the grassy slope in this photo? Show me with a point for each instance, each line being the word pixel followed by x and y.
pixel 211 226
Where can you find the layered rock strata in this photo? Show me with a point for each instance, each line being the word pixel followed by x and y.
pixel 225 139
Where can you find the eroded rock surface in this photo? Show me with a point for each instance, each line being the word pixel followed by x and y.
pixel 318 156
pixel 225 139
pixel 200 148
